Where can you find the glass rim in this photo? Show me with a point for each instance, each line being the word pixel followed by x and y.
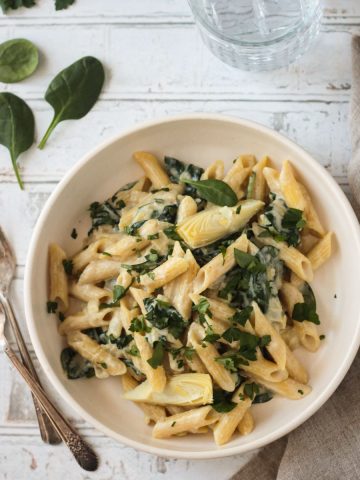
pixel 209 28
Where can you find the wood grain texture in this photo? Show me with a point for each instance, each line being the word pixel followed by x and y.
pixel 156 65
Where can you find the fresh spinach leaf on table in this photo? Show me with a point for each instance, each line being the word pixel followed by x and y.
pixel 63 4
pixel 74 91
pixel 15 4
pixel 17 128
pixel 18 60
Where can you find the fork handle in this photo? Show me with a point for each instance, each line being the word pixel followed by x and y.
pixel 82 452
pixel 47 431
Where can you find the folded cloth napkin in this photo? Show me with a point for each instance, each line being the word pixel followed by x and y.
pixel 327 446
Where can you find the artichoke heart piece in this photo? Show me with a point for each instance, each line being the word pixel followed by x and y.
pixel 188 389
pixel 208 226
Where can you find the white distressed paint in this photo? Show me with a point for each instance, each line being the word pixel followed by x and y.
pixel 172 60
pixel 156 65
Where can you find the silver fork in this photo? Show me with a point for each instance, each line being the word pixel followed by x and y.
pixel 53 425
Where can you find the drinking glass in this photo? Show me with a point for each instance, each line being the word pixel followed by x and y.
pixel 257 34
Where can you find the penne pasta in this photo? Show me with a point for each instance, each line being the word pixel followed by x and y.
pixel 152 169
pixel 208 355
pixel 182 422
pixel 215 170
pixel 246 424
pixel 89 349
pixel 58 280
pixel 228 422
pixel 321 252
pixel 262 327
pixel 288 388
pixel 192 294
pixel 219 265
pixel 153 413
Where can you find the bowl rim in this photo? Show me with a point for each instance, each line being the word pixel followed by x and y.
pixel 343 366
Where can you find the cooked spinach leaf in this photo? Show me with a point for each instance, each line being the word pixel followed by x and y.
pixel 203 255
pixel 214 191
pixel 282 223
pixel 178 171
pixel 171 233
pixel 249 280
pixel 51 307
pixel 263 397
pixel 167 214
pixel 68 266
pixel 74 91
pixel 17 127
pixel 105 213
pixel 152 260
pixel 222 402
pixel 163 315
pixel 306 310
pixel 75 365
pixel 18 60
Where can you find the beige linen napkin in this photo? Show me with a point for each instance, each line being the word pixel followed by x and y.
pixel 327 446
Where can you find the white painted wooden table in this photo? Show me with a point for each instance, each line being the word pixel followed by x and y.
pixel 156 65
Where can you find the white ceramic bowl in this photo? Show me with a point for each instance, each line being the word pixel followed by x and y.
pixel 199 139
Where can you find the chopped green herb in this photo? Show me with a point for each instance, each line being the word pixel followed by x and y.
pixel 154 236
pixel 238 210
pixel 173 424
pixel 118 292
pixel 203 308
pixel 61 316
pixel 210 336
pixel 264 341
pixel 251 390
pixel 74 233
pixel 223 252
pixel 103 365
pixel 251 186
pixel 322 337
pixel 68 266
pixel 248 261
pixel 242 316
pixel 301 392
pixel 51 307
pixel 139 325
pixel 158 355
pixel 134 351
pixel 107 254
